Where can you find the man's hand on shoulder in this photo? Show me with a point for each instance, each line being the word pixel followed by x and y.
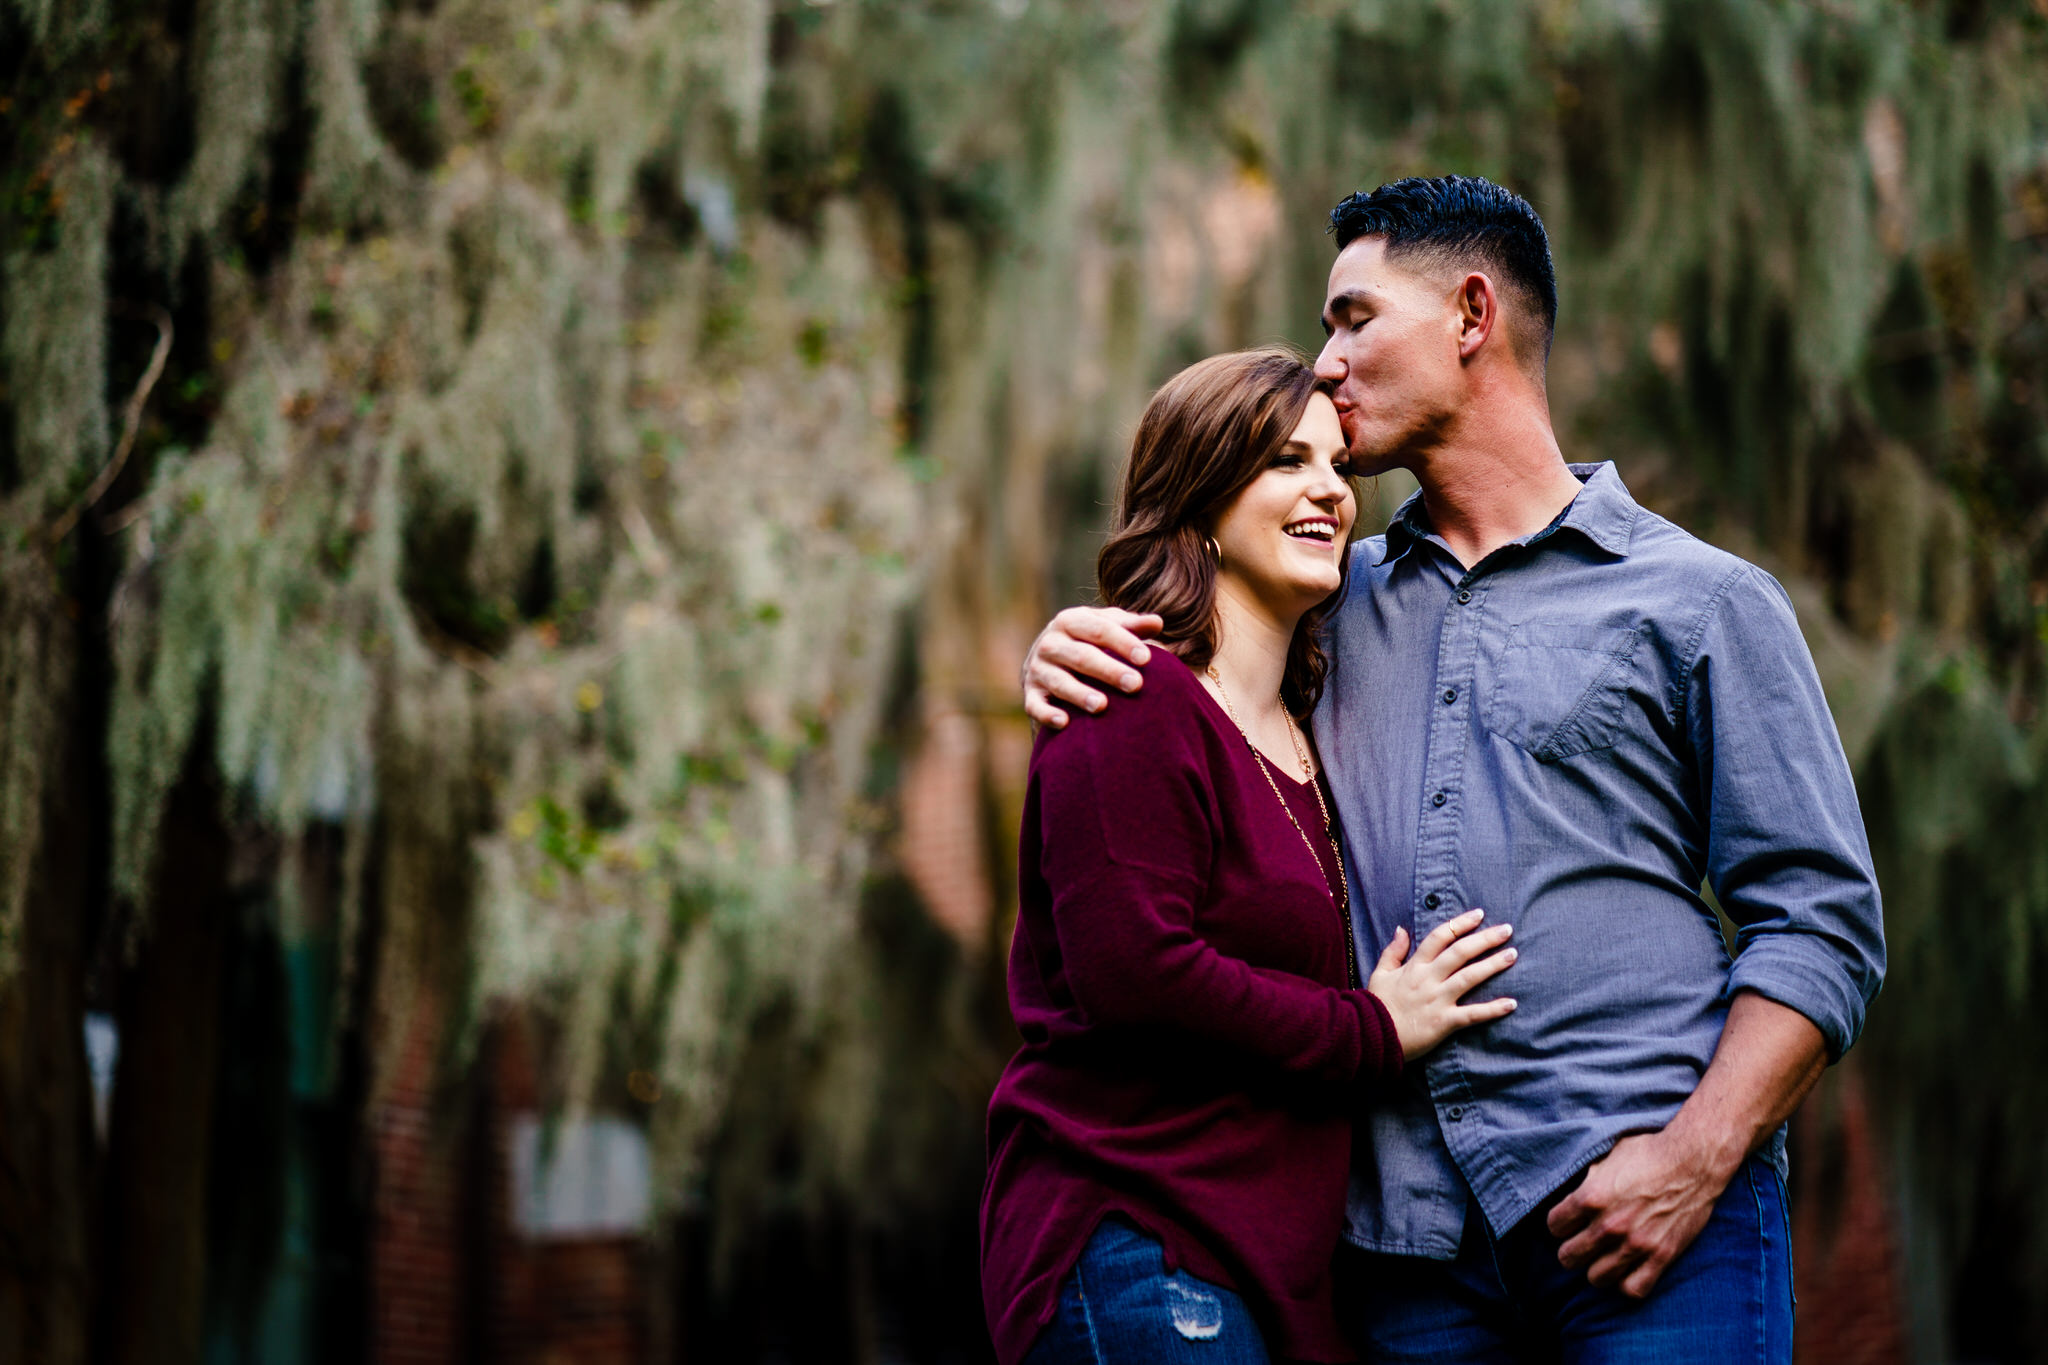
pixel 1637 1209
pixel 1084 642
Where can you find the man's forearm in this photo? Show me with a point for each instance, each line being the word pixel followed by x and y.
pixel 1769 1057
pixel 1641 1205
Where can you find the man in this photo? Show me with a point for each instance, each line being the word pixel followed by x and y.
pixel 1552 703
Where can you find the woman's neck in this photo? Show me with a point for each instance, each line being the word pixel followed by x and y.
pixel 1251 655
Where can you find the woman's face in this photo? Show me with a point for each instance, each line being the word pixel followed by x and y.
pixel 1282 538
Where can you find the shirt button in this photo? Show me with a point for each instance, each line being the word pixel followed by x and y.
pixel 1456 1114
pixel 1432 901
pixel 1438 799
pixel 1464 597
pixel 1450 695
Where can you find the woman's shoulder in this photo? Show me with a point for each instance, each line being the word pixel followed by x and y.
pixel 1139 774
pixel 1170 712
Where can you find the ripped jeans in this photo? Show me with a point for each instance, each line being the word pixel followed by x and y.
pixel 1120 1307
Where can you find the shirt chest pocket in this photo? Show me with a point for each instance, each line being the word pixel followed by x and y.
pixel 1561 689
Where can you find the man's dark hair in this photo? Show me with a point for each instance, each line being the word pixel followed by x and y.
pixel 1457 217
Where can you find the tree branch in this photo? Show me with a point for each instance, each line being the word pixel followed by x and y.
pixel 131 422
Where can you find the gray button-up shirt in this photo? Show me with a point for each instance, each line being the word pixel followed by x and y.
pixel 1576 734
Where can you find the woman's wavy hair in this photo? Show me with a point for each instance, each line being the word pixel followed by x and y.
pixel 1207 433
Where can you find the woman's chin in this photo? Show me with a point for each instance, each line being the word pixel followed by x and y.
pixel 1317 589
pixel 1309 593
pixel 1292 594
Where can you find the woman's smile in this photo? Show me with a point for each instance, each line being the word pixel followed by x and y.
pixel 1319 530
pixel 1315 533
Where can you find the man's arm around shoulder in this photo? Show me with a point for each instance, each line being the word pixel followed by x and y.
pixel 1084 642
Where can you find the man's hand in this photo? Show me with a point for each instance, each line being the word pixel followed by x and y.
pixel 1642 1204
pixel 1637 1209
pixel 1093 642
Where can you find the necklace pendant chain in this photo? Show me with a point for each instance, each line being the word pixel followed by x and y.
pixel 1341 897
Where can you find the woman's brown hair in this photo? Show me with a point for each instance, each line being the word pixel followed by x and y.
pixel 1207 433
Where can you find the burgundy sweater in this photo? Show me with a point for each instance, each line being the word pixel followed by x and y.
pixel 1191 1055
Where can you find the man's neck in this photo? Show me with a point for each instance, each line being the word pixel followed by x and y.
pixel 1495 481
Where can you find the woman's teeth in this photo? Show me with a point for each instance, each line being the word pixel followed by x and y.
pixel 1310 530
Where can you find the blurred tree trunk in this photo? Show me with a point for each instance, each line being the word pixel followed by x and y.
pixel 46 1124
pixel 153 1291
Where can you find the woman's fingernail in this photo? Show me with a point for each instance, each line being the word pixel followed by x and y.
pixel 1508 954
pixel 1140 654
pixel 1128 681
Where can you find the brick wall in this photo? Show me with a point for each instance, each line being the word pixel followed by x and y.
pixel 556 1301
pixel 1845 1243
pixel 416 1271
pixel 452 1280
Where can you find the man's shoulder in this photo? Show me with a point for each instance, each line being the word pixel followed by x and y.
pixel 1686 588
pixel 1665 551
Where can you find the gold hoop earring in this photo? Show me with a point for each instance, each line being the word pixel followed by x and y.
pixel 1216 550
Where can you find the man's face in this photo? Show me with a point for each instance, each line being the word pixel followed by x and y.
pixel 1392 354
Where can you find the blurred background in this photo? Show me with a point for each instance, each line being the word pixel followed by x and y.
pixel 519 522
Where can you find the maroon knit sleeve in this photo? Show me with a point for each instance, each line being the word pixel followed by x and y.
pixel 1128 820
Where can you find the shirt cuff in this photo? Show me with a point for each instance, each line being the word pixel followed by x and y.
pixel 1802 975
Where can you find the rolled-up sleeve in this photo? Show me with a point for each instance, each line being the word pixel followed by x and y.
pixel 1786 851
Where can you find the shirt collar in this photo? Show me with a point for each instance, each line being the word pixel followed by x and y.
pixel 1603 513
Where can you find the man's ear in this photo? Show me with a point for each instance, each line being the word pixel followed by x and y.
pixel 1478 305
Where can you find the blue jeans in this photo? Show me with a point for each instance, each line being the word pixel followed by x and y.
pixel 1727 1299
pixel 1119 1305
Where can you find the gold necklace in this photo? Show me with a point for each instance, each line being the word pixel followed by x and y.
pixel 1341 897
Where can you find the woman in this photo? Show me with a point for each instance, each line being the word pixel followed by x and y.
pixel 1168 1151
